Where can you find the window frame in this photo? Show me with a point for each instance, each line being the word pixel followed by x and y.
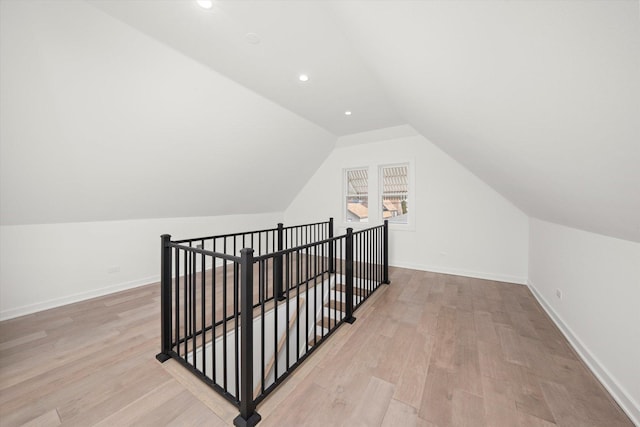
pixel 381 193
pixel 410 224
pixel 375 193
pixel 345 194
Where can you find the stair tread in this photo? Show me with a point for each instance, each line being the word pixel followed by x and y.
pixel 332 311
pixel 326 321
pixel 356 291
pixel 341 305
pixel 318 338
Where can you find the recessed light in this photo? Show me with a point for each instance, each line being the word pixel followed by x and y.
pixel 347 113
pixel 303 78
pixel 252 38
pixel 205 4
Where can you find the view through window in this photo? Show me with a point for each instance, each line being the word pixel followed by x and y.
pixel 357 203
pixel 395 192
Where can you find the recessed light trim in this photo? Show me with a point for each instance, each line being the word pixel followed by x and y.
pixel 347 113
pixel 303 78
pixel 205 4
pixel 252 38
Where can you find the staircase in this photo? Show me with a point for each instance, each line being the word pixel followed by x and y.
pixel 323 316
pixel 334 309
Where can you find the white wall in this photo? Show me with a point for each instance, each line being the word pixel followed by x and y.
pixel 48 265
pixel 462 226
pixel 599 312
pixel 104 128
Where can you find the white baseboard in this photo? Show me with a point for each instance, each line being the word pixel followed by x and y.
pixel 618 392
pixel 462 272
pixel 80 296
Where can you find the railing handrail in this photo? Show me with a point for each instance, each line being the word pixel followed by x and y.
pixel 364 230
pixel 309 245
pixel 220 236
pixel 297 248
pixel 244 233
pixel 306 225
pixel 178 243
pixel 205 252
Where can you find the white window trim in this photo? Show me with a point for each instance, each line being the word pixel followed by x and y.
pixel 375 195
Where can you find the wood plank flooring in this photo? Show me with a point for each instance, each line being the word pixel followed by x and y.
pixel 429 350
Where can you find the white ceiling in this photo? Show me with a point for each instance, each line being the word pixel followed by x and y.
pixel 101 122
pixel 540 99
pixel 295 37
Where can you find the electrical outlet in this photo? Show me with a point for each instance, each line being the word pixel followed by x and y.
pixel 113 269
pixel 559 293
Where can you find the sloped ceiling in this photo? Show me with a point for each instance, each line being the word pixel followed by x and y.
pixel 101 122
pixel 265 46
pixel 540 99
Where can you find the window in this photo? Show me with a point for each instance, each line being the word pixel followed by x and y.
pixel 394 183
pixel 357 195
pixel 390 187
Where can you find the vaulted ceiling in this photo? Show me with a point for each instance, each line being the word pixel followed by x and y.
pixel 540 99
pixel 101 122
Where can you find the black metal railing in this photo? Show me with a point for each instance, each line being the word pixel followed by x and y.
pixel 242 311
pixel 263 241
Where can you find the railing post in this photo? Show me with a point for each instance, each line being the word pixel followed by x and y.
pixel 332 267
pixel 277 266
pixel 386 253
pixel 165 299
pixel 248 416
pixel 349 273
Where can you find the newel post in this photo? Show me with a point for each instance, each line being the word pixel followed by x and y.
pixel 248 416
pixel 385 279
pixel 332 266
pixel 165 299
pixel 349 273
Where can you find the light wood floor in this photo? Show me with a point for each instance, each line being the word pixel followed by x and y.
pixel 429 350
